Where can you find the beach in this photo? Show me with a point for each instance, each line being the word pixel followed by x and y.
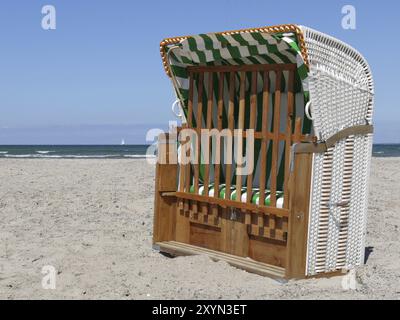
pixel 91 219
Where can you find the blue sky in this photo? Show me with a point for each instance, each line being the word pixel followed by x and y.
pixel 101 67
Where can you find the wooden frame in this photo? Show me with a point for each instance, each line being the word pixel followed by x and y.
pixel 266 217
pixel 263 239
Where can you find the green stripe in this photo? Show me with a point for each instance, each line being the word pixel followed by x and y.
pixel 240 39
pixel 208 42
pixel 179 71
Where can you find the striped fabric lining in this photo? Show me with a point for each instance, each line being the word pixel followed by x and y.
pixel 241 49
pixel 255 194
pixel 238 49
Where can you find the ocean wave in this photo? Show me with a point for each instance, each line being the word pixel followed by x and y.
pixel 91 156
pixel 3 152
pixel 44 152
pixel 30 156
pixel 141 156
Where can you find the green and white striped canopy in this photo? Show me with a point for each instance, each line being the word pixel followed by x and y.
pixel 244 48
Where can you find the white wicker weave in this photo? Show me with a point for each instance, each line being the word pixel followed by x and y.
pixel 341 95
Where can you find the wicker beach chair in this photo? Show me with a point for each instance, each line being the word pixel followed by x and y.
pixel 298 106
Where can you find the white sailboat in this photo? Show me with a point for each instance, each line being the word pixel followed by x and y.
pixel 122 142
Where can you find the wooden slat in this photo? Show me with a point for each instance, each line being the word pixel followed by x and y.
pixel 198 130
pixel 281 136
pixel 182 167
pixel 189 125
pixel 164 207
pixel 181 225
pixel 288 142
pixel 250 156
pixel 297 130
pixel 263 153
pixel 208 125
pixel 246 68
pixel 275 234
pixel 241 127
pixel 172 146
pixel 269 135
pixel 186 207
pixel 231 123
pixel 272 221
pixel 267 232
pixel 252 125
pixel 275 141
pixel 225 203
pixel 217 169
pixel 285 224
pixel 182 172
pixel 267 250
pixel 178 249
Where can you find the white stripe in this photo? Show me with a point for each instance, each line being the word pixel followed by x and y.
pixel 225 54
pixel 231 41
pixel 288 34
pixel 199 42
pixel 194 57
pixel 282 46
pixel 201 189
pixel 246 61
pixel 244 51
pixel 185 45
pixel 216 43
pixel 269 38
pixel 249 38
pixel 260 60
pixel 262 49
pixel 178 55
pixel 290 56
pixel 209 55
pixel 275 58
pixel 183 82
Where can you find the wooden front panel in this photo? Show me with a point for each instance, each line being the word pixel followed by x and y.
pixel 205 236
pixel 229 233
pixel 268 251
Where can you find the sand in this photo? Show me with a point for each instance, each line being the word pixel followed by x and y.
pixel 92 221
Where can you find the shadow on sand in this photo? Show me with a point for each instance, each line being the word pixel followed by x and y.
pixel 368 251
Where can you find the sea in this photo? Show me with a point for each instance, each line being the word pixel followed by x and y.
pixel 75 151
pixel 120 151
